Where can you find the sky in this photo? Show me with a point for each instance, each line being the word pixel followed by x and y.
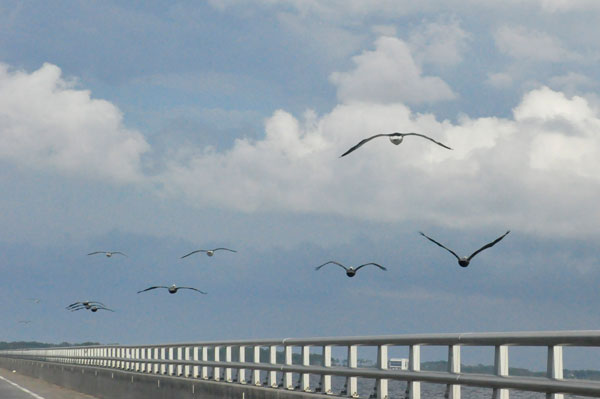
pixel 156 129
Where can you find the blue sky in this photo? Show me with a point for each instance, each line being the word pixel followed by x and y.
pixel 157 129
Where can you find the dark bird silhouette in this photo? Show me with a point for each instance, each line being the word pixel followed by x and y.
pixel 84 304
pixel 350 271
pixel 172 289
pixel 92 308
pixel 107 253
pixel 88 305
pixel 209 252
pixel 395 138
pixel 465 260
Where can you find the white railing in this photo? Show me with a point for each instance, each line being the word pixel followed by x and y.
pixel 191 360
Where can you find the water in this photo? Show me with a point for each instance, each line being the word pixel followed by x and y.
pixel 397 389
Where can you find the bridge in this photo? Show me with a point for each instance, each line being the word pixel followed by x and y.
pixel 285 368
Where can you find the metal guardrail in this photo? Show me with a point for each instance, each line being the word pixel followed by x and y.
pixel 191 360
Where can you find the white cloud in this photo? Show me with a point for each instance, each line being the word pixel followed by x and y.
pixel 521 173
pixel 440 42
pixel 389 74
pixel 527 44
pixel 46 122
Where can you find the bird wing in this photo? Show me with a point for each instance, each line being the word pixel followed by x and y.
pixel 226 249
pixel 77 308
pixel 426 137
pixel 437 243
pixel 371 263
pixel 334 262
pixel 191 288
pixel 103 308
pixel 120 253
pixel 491 244
pixel 73 304
pixel 193 252
pixel 97 252
pixel 364 141
pixel 151 288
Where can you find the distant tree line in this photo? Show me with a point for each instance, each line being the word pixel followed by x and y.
pixel 37 345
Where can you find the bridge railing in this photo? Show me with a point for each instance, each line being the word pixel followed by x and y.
pixel 243 362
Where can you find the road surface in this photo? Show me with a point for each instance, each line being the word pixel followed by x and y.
pixel 18 386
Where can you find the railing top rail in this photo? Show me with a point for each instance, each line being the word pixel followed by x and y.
pixel 527 338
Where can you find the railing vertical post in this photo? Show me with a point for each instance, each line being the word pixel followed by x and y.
pixel 217 370
pixel 228 360
pixel 179 357
pixel 288 382
pixel 306 362
pixel 205 359
pixel 186 356
pixel 242 359
pixel 326 378
pixel 382 364
pixel 414 364
pixel 143 357
pixel 256 372
pixel 555 368
pixel 195 357
pixel 501 369
pixel 352 382
pixel 171 367
pixel 113 355
pixel 453 390
pixel 137 364
pixel 163 357
pixel 273 360
pixel 156 356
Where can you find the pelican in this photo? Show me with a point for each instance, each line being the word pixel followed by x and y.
pixel 107 253
pixel 172 289
pixel 350 271
pixel 92 308
pixel 465 260
pixel 209 252
pixel 85 304
pixel 395 138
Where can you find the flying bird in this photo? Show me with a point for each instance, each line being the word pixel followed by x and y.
pixel 34 300
pixel 107 253
pixel 209 252
pixel 465 260
pixel 85 304
pixel 92 308
pixel 350 271
pixel 172 289
pixel 24 321
pixel 395 138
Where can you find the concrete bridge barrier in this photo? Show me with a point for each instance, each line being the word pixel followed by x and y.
pixel 266 369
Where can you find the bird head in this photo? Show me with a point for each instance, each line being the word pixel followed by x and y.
pixel 172 289
pixel 464 261
pixel 350 272
pixel 108 254
pixel 94 308
pixel 210 253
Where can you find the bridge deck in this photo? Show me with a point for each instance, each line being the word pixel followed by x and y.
pixel 33 388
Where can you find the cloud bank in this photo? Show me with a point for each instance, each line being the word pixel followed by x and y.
pixel 534 171
pixel 45 122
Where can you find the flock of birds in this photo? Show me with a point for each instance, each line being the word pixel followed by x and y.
pixel 396 138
